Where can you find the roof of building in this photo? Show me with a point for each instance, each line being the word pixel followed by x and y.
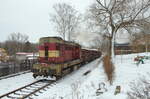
pixel 122 44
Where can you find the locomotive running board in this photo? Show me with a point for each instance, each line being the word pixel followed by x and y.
pixel 71 64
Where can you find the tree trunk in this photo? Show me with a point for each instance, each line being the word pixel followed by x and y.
pixel 112 50
pixel 64 36
pixel 146 44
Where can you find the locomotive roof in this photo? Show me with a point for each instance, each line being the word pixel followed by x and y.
pixel 90 49
pixel 56 40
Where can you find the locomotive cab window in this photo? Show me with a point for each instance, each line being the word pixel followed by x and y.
pixel 46 52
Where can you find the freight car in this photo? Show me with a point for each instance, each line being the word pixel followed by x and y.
pixel 57 56
pixel 88 55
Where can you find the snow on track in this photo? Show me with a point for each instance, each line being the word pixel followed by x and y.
pixel 9 84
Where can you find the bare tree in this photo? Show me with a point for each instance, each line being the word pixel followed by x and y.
pixel 15 42
pixel 109 16
pixel 66 19
pixel 0 44
pixel 135 38
pixel 146 33
pixel 30 47
pixel 100 44
pixel 140 42
pixel 141 38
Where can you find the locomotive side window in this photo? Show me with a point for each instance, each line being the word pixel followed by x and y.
pixel 46 52
pixel 68 48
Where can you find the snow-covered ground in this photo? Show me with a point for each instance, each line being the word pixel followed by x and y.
pixel 9 84
pixel 79 86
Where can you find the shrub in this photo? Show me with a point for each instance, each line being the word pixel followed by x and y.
pixel 140 89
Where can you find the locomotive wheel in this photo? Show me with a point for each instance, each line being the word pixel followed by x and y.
pixel 76 67
pixel 34 75
pixel 58 77
pixel 72 69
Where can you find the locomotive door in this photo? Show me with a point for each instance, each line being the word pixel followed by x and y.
pixel 46 52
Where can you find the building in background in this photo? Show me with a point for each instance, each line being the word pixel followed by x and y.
pixel 23 56
pixel 3 55
pixel 123 48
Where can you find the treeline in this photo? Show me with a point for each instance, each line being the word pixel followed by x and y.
pixel 17 42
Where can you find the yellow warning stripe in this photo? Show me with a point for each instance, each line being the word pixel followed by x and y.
pixel 52 53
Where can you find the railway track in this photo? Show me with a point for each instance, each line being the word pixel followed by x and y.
pixel 27 91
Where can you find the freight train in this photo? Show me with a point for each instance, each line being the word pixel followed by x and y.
pixel 57 56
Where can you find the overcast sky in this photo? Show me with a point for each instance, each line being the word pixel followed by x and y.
pixel 31 17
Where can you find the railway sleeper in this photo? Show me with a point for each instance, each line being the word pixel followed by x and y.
pixel 17 93
pixel 40 83
pixel 40 91
pixel 12 97
pixel 32 87
pixel 30 97
pixel 21 94
pixel 35 94
pixel 47 87
pixel 37 86
pixel 25 91
pixel 44 89
pixel 28 88
pixel 51 85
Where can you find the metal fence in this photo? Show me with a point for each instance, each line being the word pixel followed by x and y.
pixel 14 67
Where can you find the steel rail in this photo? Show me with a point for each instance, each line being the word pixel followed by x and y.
pixel 32 91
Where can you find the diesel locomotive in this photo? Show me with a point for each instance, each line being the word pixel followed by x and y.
pixel 56 56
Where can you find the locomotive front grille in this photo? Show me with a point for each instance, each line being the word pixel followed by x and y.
pixel 47 69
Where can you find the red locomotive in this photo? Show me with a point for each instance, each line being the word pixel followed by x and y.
pixel 56 56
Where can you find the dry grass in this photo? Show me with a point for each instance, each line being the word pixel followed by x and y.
pixel 108 68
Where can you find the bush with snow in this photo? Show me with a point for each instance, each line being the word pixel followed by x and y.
pixel 140 89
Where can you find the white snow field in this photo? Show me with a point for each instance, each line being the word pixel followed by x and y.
pixel 79 86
